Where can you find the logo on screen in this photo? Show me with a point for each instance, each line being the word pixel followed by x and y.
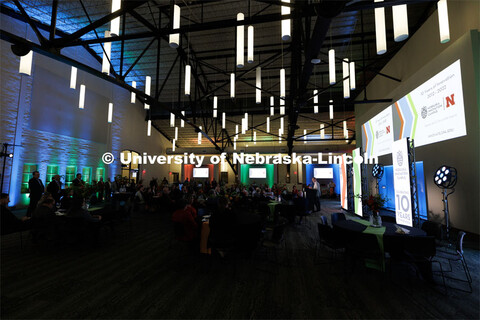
pixel 450 100
pixel 399 158
pixel 424 112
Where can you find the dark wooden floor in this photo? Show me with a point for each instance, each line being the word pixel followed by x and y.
pixel 141 273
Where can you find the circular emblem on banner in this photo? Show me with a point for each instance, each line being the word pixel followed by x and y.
pixel 424 112
pixel 399 158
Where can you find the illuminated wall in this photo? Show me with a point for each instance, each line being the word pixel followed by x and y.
pixel 40 113
pixel 244 178
pixel 418 60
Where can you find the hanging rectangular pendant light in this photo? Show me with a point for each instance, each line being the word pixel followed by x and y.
pixel 234 145
pixel 254 137
pixel 110 112
pixel 236 130
pixel 132 94
pixel 232 85
pixel 443 24
pixel 400 22
pixel 115 23
pixel 187 79
pixel 26 63
pixel 330 107
pixel 174 39
pixel 315 101
pixel 322 131
pixel 353 82
pixel 272 111
pixel 215 104
pixel 286 23
pixel 215 113
pixel 107 48
pixel 258 84
pixel 345 131
pixel 279 135
pixel 268 124
pixel 199 138
pixel 223 120
pixel 81 101
pixel 176 133
pixel 281 125
pixel 182 122
pixel 304 136
pixel 250 44
pixel 149 128
pixel 346 82
pixel 282 107
pixel 172 120
pixel 148 84
pixel 240 42
pixel 380 33
pixel 331 66
pixel 173 144
pixel 282 84
pixel 73 78
pixel 272 101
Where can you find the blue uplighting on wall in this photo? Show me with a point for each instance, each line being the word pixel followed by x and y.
pixel 336 175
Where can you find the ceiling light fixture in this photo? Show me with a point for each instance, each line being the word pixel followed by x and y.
pixel 148 84
pixel 286 23
pixel 115 23
pixel 110 112
pixel 188 73
pixel 443 24
pixel 331 66
pixel 240 42
pixel 107 48
pixel 81 101
pixel 380 34
pixel 174 38
pixel 400 22
pixel 73 78
pixel 258 91
pixel 250 32
pixel 132 94
pixel 346 80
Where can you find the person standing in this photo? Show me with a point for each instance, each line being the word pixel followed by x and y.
pixel 78 182
pixel 101 189
pixel 108 190
pixel 55 188
pixel 36 189
pixel 316 187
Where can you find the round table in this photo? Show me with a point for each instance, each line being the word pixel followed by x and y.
pixel 387 230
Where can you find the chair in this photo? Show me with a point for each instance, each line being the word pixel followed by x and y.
pixel 338 216
pixel 457 255
pixel 364 247
pixel 324 220
pixel 329 238
pixel 276 240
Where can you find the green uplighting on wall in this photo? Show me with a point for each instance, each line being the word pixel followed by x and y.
pixel 245 168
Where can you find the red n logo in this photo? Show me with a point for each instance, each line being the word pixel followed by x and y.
pixel 388 129
pixel 450 100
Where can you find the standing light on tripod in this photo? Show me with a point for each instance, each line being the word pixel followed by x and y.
pixel 446 178
pixel 377 171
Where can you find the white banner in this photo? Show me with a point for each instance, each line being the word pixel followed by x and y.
pixel 401 183
pixel 377 134
pixel 357 183
pixel 343 183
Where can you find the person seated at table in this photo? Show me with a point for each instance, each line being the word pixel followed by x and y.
pixel 78 210
pixel 294 192
pixel 45 225
pixel 185 225
pixel 189 206
pixel 9 222
pixel 222 226
pixel 140 199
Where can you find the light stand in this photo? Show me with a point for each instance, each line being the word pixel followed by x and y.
pixel 4 154
pixel 446 178
pixel 377 173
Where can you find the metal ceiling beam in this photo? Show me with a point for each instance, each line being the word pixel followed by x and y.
pixel 40 37
pixel 127 7
pixel 53 20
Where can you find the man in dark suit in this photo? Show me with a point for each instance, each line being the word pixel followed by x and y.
pixel 36 189
pixel 55 188
pixel 77 182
